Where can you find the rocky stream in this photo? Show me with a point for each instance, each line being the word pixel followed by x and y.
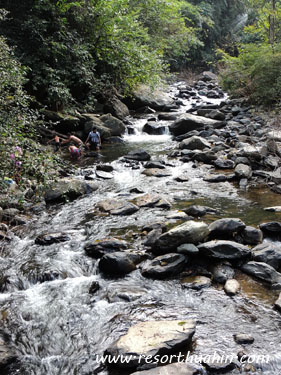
pixel 166 243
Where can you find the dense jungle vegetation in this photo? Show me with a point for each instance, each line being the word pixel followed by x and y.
pixel 63 54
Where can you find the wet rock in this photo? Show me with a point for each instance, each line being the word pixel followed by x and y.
pixel 155 172
pixel 223 272
pixel 251 152
pixel 269 253
pixel 216 115
pixel 224 164
pixel 117 207
pixel 172 369
pixel 156 99
pixel 119 263
pixel 249 236
pixel 198 283
pixel 147 200
pixel 188 122
pixel 104 175
pixel 164 266
pixel 117 292
pixel 4 236
pixel 228 250
pixel 152 237
pixel 163 203
pixel 194 143
pixel 215 178
pixel 113 124
pixel 231 287
pixel 116 108
pixel 243 338
pixel 277 303
pixel 243 171
pixel 94 287
pixel 225 228
pixel 264 272
pixel 105 168
pixel 153 128
pixel 99 248
pixel 9 213
pixel 152 338
pixel 273 209
pixel 50 238
pixel 19 220
pixel 68 189
pixel 199 211
pixel 220 367
pixel 167 117
pixel 189 232
pixel 178 215
pixel 271 229
pixel 188 249
pixel 154 164
pixel 140 155
pixel 182 178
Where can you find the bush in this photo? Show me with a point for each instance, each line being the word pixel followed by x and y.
pixel 255 73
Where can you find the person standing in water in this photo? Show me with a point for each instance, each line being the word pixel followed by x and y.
pixel 93 141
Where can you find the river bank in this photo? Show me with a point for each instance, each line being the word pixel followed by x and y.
pixel 152 216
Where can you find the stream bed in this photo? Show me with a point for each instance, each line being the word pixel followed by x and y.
pixel 57 326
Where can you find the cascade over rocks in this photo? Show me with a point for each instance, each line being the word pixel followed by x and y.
pixel 152 338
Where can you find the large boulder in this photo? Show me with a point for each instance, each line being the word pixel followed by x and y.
pixel 68 189
pixel 153 128
pixel 117 207
pixel 119 263
pixel 116 108
pixel 93 120
pixel 96 249
pixel 139 155
pixel 271 229
pixel 189 232
pixel 194 143
pixel 226 228
pixel 115 126
pixel 150 339
pixel 264 272
pixel 227 250
pixel 164 266
pixel 269 253
pixel 156 99
pixel 187 122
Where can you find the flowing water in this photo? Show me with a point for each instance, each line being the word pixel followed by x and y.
pixel 58 327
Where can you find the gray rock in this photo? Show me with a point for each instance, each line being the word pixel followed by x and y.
pixel 152 237
pixel 264 272
pixel 164 266
pixel 188 249
pixel 99 248
pixel 188 122
pixel 115 126
pixel 189 232
pixel 9 213
pixel 271 229
pixel 115 107
pixel 105 168
pixel 224 164
pixel 68 189
pixel 167 116
pixel 199 211
pixel 117 207
pixel 147 200
pixel 215 178
pixel 156 99
pixel 172 369
pixel 223 272
pixel 50 238
pixel 198 283
pixel 119 263
pixel 220 367
pixel 104 175
pixel 243 338
pixel 153 128
pixel 194 143
pixel 7 356
pixel 225 228
pixel 228 250
pixel 273 209
pixel 154 164
pixel 249 236
pixel 277 303
pixel 208 76
pixel 152 338
pixel 182 178
pixel 269 253
pixel 177 215
pixel 155 172
pixel 140 155
pixel 231 287
pixel 243 171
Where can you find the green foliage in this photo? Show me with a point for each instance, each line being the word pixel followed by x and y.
pixel 255 73
pixel 21 157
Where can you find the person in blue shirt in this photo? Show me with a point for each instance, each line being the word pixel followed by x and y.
pixel 93 141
